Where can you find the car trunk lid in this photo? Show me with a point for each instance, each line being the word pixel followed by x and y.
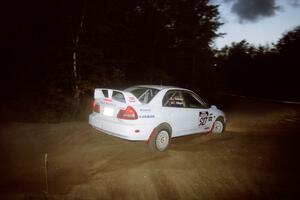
pixel 115 104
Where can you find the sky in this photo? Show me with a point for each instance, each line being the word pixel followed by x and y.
pixel 259 22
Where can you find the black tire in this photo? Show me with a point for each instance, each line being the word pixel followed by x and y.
pixel 218 126
pixel 160 138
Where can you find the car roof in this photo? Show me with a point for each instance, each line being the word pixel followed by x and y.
pixel 158 87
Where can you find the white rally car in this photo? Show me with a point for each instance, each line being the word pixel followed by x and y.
pixel 153 113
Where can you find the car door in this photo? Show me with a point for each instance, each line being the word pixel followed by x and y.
pixel 183 120
pixel 202 116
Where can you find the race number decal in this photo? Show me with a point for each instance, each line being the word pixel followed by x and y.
pixel 203 118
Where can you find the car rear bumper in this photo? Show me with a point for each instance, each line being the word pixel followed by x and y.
pixel 120 128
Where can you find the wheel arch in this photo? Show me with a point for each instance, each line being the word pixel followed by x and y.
pixel 167 126
pixel 222 118
pixel 163 125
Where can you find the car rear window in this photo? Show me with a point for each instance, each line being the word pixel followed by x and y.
pixel 118 96
pixel 143 94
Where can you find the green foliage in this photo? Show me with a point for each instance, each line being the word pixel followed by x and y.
pixel 164 35
pixel 120 43
pixel 265 71
pixel 290 42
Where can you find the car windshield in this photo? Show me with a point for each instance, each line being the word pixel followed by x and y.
pixel 143 94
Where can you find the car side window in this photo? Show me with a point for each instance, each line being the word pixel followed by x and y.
pixel 191 101
pixel 173 99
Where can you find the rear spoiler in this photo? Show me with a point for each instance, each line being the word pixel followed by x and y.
pixel 117 95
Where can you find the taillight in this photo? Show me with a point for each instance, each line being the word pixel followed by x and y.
pixel 95 106
pixel 129 113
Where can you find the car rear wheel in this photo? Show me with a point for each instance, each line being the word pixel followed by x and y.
pixel 160 139
pixel 218 127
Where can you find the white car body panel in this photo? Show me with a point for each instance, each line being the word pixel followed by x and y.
pixel 183 121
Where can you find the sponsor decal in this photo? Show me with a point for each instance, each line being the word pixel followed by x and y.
pixel 146 116
pixel 107 100
pixel 210 118
pixel 145 110
pixel 203 118
pixel 131 99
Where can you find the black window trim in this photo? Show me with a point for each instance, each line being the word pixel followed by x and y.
pixel 197 97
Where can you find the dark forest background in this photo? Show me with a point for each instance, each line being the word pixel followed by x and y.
pixel 122 43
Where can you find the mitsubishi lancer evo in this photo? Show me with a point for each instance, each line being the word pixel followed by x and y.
pixel 154 114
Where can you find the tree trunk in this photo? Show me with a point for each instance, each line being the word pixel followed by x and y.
pixel 75 64
pixel 76 79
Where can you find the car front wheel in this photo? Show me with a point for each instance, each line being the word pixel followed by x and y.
pixel 218 126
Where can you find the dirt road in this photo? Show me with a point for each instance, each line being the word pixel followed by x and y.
pixel 256 158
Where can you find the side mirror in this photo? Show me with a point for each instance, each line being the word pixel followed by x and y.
pixel 213 107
